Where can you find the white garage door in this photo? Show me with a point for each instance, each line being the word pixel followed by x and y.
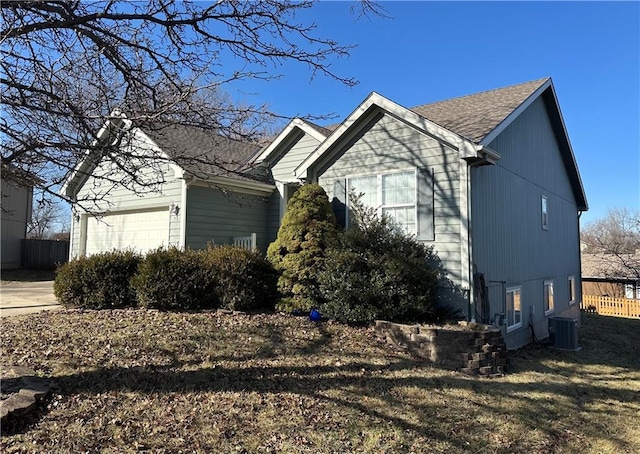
pixel 140 231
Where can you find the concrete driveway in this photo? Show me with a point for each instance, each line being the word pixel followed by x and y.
pixel 26 297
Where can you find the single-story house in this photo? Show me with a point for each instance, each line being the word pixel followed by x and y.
pixel 611 275
pixel 490 180
pixel 17 201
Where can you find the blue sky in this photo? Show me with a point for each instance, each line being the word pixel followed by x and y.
pixel 429 51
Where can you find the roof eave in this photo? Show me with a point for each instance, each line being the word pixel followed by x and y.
pixel 369 107
pixel 561 133
pixel 294 127
pixel 83 169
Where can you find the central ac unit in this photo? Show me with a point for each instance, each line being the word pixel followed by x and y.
pixel 563 333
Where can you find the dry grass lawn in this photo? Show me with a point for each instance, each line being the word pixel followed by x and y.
pixel 131 381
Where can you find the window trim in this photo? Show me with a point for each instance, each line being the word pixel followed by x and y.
pixel 546 300
pixel 544 212
pixel 630 289
pixel 514 326
pixel 379 205
pixel 572 289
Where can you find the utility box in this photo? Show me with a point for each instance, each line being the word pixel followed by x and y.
pixel 563 333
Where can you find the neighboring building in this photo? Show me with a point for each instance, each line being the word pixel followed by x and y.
pixel 490 180
pixel 611 275
pixel 17 199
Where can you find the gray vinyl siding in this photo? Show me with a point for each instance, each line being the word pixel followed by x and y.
pixel 100 196
pixel 283 168
pixel 509 243
pixel 392 145
pixel 273 217
pixel 212 215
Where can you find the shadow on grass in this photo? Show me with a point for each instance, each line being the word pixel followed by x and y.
pixel 574 384
pixel 351 385
pixel 27 275
pixel 348 386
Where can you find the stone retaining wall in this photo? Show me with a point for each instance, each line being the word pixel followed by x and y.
pixel 470 348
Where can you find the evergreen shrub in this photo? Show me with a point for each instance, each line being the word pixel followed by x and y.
pixel 100 281
pixel 308 229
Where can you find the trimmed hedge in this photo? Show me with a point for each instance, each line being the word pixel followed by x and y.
pixel 173 279
pixel 101 281
pixel 244 280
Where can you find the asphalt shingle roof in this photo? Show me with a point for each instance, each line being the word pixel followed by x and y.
pixel 200 152
pixel 610 266
pixel 475 116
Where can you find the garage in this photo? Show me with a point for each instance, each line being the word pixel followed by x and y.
pixel 139 230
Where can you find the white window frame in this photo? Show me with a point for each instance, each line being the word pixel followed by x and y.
pixel 512 325
pixel 629 291
pixel 548 300
pixel 379 205
pixel 572 289
pixel 544 211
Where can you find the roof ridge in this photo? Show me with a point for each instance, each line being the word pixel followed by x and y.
pixel 538 82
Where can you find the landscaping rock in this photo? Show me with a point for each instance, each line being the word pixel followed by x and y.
pixel 21 391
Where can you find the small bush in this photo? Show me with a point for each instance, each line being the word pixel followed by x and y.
pixel 378 272
pixel 101 281
pixel 244 279
pixel 172 279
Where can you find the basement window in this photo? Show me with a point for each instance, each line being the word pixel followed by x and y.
pixel 548 297
pixel 572 289
pixel 514 308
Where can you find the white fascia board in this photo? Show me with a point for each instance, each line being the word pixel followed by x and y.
pixel 515 114
pixel 269 151
pixel 465 147
pixel 77 170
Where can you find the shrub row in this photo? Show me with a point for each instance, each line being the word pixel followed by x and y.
pixel 168 279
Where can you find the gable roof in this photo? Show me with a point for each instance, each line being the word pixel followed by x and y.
pixel 477 119
pixel 294 130
pixel 366 112
pixel 612 267
pixel 475 116
pixel 199 152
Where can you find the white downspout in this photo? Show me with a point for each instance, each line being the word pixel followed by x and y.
pixel 466 258
pixel 183 212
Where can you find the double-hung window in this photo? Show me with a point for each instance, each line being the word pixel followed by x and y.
pixel 391 194
pixel 548 297
pixel 514 308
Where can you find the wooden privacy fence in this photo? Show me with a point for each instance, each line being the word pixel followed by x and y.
pixel 43 254
pixel 604 305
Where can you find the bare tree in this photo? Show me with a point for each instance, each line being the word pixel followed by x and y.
pixel 67 66
pixel 47 219
pixel 616 238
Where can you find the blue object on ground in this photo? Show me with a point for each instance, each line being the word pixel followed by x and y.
pixel 314 315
